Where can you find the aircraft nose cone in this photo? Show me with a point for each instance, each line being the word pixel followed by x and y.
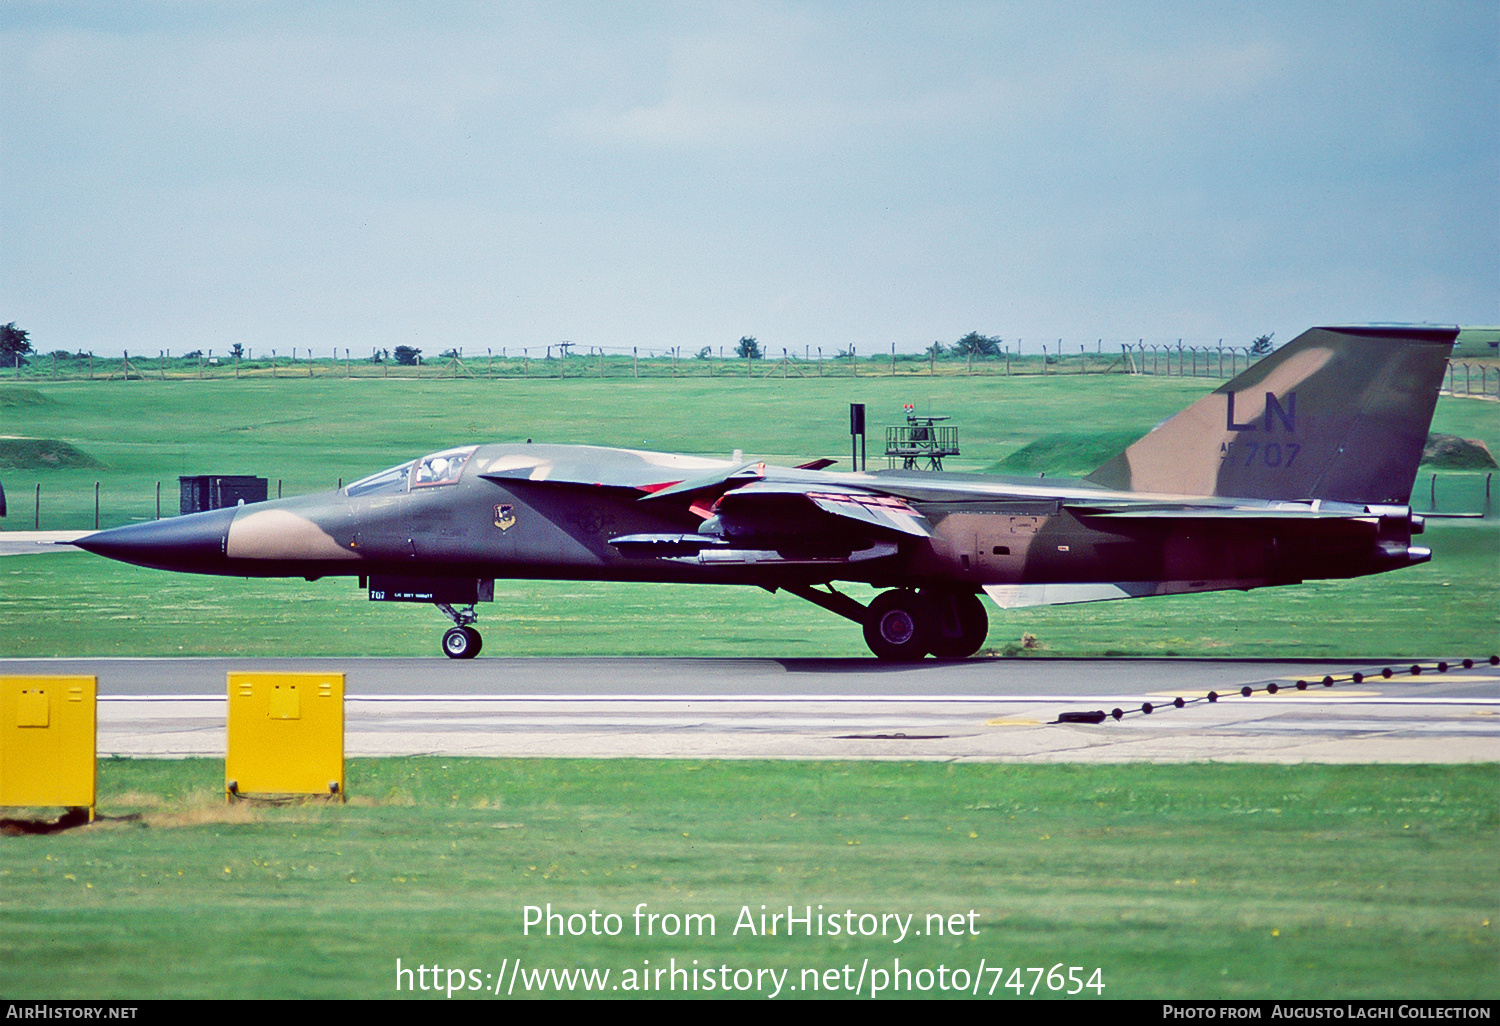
pixel 192 542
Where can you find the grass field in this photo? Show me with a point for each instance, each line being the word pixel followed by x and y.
pixel 1175 881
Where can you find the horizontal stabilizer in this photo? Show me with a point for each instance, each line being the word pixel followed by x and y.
pixel 1018 596
pixel 1238 513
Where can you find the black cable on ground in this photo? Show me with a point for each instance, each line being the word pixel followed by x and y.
pixel 1270 687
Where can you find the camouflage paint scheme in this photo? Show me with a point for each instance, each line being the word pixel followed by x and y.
pixel 1300 468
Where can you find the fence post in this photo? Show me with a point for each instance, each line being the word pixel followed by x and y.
pixel 36 517
pixel 1432 498
pixel 158 500
pixel 96 505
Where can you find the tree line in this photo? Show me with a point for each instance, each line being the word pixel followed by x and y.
pixel 16 347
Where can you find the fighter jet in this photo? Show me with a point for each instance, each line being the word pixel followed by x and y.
pixel 1301 467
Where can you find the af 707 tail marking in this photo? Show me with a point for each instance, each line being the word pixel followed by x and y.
pixel 1313 482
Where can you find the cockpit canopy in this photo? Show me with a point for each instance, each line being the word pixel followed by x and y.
pixel 440 468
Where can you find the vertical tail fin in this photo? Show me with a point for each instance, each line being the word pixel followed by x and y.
pixel 1339 414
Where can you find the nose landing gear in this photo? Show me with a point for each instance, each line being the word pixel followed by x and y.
pixel 461 641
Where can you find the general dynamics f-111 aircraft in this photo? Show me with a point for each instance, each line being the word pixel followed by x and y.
pixel 1299 468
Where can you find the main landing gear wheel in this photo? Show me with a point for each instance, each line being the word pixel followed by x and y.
pixel 960 624
pixel 462 643
pixel 898 626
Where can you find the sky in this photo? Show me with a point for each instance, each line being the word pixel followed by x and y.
pixel 353 175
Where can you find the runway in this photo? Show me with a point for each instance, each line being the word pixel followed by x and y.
pixel 976 710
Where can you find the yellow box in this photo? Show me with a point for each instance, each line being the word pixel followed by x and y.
pixel 48 736
pixel 286 734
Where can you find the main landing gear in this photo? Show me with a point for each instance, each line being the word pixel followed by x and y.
pixel 903 625
pixel 461 641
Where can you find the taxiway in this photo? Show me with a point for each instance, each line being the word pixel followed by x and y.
pixel 979 709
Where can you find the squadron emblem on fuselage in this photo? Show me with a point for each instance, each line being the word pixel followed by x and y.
pixel 505 516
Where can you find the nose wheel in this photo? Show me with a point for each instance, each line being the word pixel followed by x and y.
pixel 461 641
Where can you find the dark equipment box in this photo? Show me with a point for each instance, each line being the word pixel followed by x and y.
pixel 216 491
